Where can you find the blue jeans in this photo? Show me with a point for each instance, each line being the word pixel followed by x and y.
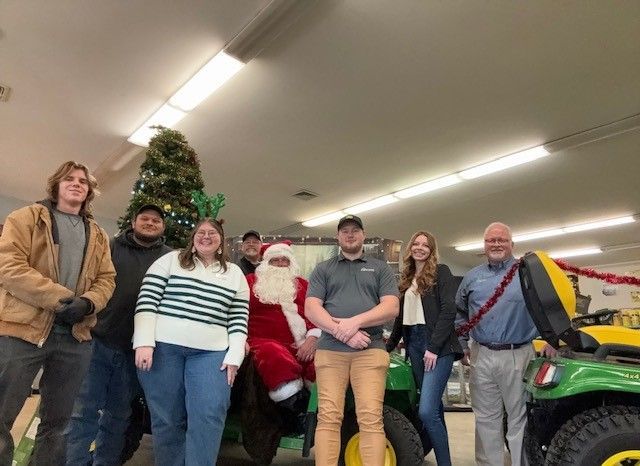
pixel 109 386
pixel 431 410
pixel 188 397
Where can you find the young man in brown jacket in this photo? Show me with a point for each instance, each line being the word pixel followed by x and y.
pixel 55 275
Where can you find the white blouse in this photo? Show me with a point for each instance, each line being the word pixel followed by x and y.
pixel 413 313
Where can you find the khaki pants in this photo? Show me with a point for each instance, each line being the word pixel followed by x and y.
pixel 367 372
pixel 496 380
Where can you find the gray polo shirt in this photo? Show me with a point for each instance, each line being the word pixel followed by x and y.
pixel 348 288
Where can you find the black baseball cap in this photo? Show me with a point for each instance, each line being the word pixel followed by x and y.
pixel 350 219
pixel 153 207
pixel 251 233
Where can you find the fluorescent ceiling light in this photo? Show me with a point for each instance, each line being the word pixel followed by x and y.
pixel 556 231
pixel 445 181
pixel 470 246
pixel 575 252
pixel 372 204
pixel 211 76
pixel 600 224
pixel 165 116
pixel 314 222
pixel 503 163
pixel 538 235
pixel 429 186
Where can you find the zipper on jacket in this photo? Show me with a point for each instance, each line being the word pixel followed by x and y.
pixel 41 343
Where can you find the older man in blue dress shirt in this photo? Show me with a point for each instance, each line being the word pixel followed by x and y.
pixel 499 352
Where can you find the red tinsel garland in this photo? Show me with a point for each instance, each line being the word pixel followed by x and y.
pixel 604 276
pixel 486 307
pixel 585 272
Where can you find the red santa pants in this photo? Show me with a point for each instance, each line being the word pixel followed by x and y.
pixel 276 363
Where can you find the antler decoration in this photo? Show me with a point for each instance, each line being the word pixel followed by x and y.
pixel 207 206
pixel 215 204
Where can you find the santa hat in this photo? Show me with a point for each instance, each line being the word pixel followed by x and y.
pixel 282 249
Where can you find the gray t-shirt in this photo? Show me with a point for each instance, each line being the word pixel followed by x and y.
pixel 72 240
pixel 348 288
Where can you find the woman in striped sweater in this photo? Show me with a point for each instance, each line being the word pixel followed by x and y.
pixel 190 332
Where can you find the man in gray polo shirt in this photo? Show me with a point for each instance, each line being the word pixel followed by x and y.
pixel 349 297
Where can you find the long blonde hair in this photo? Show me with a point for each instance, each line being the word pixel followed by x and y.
pixel 427 277
pixel 187 255
pixel 53 183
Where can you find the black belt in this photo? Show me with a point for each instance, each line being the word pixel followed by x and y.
pixel 503 346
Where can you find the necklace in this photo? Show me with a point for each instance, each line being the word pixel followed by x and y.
pixel 74 222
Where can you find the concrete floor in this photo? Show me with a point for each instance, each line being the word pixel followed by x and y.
pixel 461 438
pixel 459 425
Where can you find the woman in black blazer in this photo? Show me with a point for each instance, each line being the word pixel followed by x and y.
pixel 426 323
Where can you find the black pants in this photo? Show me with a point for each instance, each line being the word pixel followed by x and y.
pixel 64 361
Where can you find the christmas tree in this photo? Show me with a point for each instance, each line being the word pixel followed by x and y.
pixel 168 176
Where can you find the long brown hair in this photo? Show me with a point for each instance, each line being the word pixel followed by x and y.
pixel 53 183
pixel 187 255
pixel 427 277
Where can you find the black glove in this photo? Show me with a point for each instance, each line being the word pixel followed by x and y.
pixel 73 311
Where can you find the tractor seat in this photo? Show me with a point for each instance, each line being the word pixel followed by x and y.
pixel 551 302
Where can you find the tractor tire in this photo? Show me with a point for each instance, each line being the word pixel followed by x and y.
pixel 138 426
pixel 404 447
pixel 132 438
pixel 596 436
pixel 533 449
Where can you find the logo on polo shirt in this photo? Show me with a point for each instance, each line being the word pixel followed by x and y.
pixel 364 269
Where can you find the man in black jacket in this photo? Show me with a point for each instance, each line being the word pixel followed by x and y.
pixel 111 381
pixel 250 247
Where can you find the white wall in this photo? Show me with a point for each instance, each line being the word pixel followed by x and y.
pixel 9 204
pixel 622 298
pixel 456 269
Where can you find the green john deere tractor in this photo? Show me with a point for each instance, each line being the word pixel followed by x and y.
pixel 584 407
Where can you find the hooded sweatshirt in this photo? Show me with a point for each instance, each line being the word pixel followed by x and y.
pixel 131 260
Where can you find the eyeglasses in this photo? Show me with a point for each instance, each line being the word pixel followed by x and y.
pixel 497 240
pixel 212 233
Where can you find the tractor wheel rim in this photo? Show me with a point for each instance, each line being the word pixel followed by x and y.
pixel 623 458
pixel 352 453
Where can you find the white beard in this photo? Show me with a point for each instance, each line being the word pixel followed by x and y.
pixel 277 285
pixel 274 285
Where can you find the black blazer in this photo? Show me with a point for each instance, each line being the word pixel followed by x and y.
pixel 440 310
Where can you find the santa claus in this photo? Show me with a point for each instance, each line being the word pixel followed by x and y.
pixel 282 341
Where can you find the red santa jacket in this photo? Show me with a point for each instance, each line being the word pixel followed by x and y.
pixel 268 320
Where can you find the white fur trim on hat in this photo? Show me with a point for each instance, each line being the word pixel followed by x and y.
pixel 278 250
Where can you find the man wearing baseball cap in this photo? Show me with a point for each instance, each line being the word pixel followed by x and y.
pixel 349 297
pixel 111 382
pixel 250 247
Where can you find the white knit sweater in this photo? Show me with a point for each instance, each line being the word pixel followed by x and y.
pixel 204 308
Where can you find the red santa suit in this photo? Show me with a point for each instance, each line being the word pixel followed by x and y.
pixel 275 333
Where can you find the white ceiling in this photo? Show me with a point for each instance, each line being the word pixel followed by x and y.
pixel 354 100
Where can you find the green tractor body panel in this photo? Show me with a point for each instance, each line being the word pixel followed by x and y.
pixel 577 376
pixel 400 375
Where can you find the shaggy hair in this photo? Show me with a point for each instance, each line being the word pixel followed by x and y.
pixel 53 183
